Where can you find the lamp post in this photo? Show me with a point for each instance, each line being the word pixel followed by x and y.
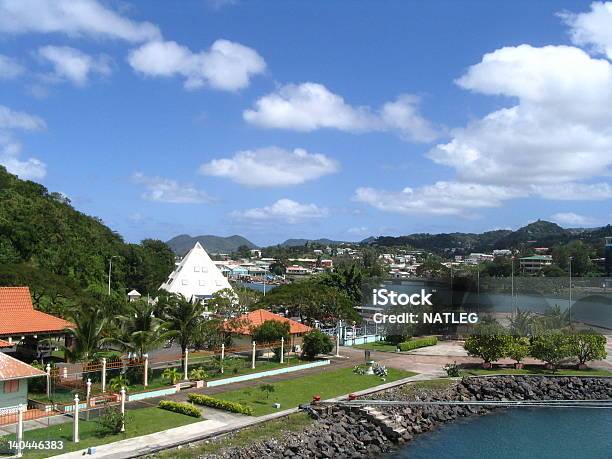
pixel 110 269
pixel 569 307
pixel 264 281
pixel 512 282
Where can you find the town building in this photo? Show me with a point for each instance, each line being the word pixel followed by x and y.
pixel 534 263
pixel 196 277
pixel 502 253
pixel 296 270
pixel 134 295
pixel 243 330
pixel 23 327
pixel 477 258
pixel 14 376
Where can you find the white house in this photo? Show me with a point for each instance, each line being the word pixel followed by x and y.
pixel 196 277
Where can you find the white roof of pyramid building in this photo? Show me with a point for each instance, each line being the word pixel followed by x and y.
pixel 196 276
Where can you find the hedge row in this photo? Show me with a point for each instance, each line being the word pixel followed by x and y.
pixel 417 343
pixel 212 402
pixel 180 407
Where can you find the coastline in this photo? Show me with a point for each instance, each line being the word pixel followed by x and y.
pixel 350 431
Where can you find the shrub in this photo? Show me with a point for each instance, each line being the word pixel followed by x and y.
pixel 587 345
pixel 552 347
pixel 205 400
pixel 111 421
pixel 316 342
pixel 490 342
pixel 172 375
pixel 116 383
pixel 417 343
pixel 267 388
pixel 518 348
pixel 180 407
pixel 452 370
pixel 198 374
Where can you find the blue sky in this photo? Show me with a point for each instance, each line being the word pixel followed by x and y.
pixel 311 119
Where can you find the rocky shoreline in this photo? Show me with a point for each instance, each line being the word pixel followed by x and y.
pixel 359 432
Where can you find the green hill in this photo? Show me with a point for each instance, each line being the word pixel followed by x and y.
pixel 43 239
pixel 213 244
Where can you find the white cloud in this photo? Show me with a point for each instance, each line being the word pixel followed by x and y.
pixel 10 68
pixel 161 189
pixel 570 218
pixel 310 106
pixel 73 18
pixel 10 157
pixel 574 191
pixel 271 166
pixel 226 65
pixel 74 65
pixel 442 198
pixel 11 119
pixel 555 138
pixel 283 210
pixel 592 29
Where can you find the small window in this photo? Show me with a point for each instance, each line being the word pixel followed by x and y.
pixel 11 386
pixel 204 269
pixel 185 282
pixel 202 282
pixel 196 269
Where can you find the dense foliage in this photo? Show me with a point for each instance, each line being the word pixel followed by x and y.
pixel 61 252
pixel 180 407
pixel 417 343
pixel 234 407
pixel 316 342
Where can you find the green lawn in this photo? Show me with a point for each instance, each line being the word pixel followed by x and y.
pixel 267 430
pixel 138 422
pixel 294 392
pixel 381 346
pixel 534 369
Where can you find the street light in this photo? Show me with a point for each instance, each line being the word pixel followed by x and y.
pixel 110 268
pixel 569 308
pixel 512 282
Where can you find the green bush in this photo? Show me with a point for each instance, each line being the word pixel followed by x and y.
pixel 588 345
pixel 552 347
pixel 212 402
pixel 180 407
pixel 417 343
pixel 111 421
pixel 316 342
pixel 490 342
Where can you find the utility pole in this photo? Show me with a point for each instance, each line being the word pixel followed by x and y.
pixel 110 269
pixel 512 282
pixel 569 308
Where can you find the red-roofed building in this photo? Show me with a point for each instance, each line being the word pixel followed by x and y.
pixel 243 326
pixel 20 322
pixel 14 375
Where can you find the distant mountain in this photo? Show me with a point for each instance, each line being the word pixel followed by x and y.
pixel 367 240
pixel 299 242
pixel 213 244
pixel 537 234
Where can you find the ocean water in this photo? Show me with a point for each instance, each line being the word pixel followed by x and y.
pixel 555 433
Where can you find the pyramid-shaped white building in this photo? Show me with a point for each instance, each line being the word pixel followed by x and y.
pixel 196 277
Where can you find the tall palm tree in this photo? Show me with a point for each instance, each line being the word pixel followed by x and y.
pixel 88 336
pixel 183 320
pixel 139 331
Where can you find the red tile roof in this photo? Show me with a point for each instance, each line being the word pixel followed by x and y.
pixel 258 317
pixel 18 316
pixel 11 368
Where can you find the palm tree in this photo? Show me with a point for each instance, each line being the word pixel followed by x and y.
pixel 139 330
pixel 521 323
pixel 88 336
pixel 183 320
pixel 172 375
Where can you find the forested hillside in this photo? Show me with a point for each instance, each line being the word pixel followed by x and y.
pixel 47 244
